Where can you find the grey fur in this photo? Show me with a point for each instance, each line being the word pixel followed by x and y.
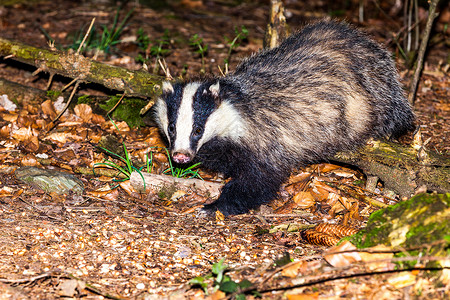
pixel 326 89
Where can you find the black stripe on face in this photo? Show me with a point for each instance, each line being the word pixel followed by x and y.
pixel 173 101
pixel 204 104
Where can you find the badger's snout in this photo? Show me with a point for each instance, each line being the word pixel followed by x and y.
pixel 181 158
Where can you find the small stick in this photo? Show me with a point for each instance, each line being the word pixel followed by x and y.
pixel 423 47
pixel 65 108
pixel 117 104
pixel 86 35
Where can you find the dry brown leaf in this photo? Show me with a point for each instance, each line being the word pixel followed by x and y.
pixel 219 216
pixel 302 177
pixel 342 259
pixel 319 184
pixel 83 111
pixel 70 124
pixel 313 296
pixel 98 119
pixel 161 157
pixel 191 209
pixel 378 261
pixel 29 161
pixel 24 121
pixel 293 269
pixel 48 109
pixel 24 134
pixel 401 280
pixel 325 168
pixel 128 188
pixel 217 295
pixel 5 131
pixel 6 191
pixel 123 126
pixel 10 117
pixel 62 137
pixel 304 200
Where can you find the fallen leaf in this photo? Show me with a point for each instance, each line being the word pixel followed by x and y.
pixel 378 261
pixel 304 200
pixel 342 259
pixel 128 188
pixel 401 280
pixel 292 270
pixel 83 111
pixel 313 296
pixel 48 109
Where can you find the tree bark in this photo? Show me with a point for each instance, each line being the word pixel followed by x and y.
pixel 403 169
pixel 134 83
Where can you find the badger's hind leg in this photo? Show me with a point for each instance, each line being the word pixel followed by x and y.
pixel 246 192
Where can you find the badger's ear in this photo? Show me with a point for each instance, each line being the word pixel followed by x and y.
pixel 215 88
pixel 167 87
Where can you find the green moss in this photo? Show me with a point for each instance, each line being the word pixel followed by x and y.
pixel 85 99
pixel 422 220
pixel 166 192
pixel 127 111
pixel 53 94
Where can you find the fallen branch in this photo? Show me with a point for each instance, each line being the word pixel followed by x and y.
pixel 157 182
pixel 403 169
pixel 133 83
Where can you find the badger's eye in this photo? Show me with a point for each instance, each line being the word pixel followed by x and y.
pixel 171 129
pixel 197 131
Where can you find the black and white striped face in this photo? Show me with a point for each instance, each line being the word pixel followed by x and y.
pixel 191 114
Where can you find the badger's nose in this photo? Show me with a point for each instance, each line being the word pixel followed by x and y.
pixel 181 158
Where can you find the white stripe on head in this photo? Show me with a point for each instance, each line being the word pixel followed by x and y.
pixel 185 118
pixel 224 122
pixel 167 87
pixel 161 115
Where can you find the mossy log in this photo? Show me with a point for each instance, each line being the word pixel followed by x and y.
pixel 419 225
pixel 134 83
pixel 403 169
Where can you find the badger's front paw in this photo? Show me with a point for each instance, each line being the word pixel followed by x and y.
pixel 226 208
pixel 204 213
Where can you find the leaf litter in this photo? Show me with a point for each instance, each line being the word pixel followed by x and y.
pixel 114 242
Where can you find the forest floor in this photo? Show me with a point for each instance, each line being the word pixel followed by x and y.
pixel 113 242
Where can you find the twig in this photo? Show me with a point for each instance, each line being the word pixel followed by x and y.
pixel 423 47
pixel 86 35
pixel 165 68
pixel 40 210
pixel 65 108
pixel 31 279
pixel 117 104
pixel 50 80
pixel 69 84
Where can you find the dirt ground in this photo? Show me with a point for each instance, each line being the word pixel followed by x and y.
pixel 115 243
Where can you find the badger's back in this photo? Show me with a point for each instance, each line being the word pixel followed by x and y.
pixel 325 89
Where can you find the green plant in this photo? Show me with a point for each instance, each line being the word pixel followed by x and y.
pixel 221 281
pixel 189 172
pixel 201 48
pixel 126 159
pixel 233 44
pixel 158 50
pixel 105 41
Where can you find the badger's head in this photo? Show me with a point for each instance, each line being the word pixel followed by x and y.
pixel 191 114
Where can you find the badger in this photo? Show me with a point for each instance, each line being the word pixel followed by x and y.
pixel 325 89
